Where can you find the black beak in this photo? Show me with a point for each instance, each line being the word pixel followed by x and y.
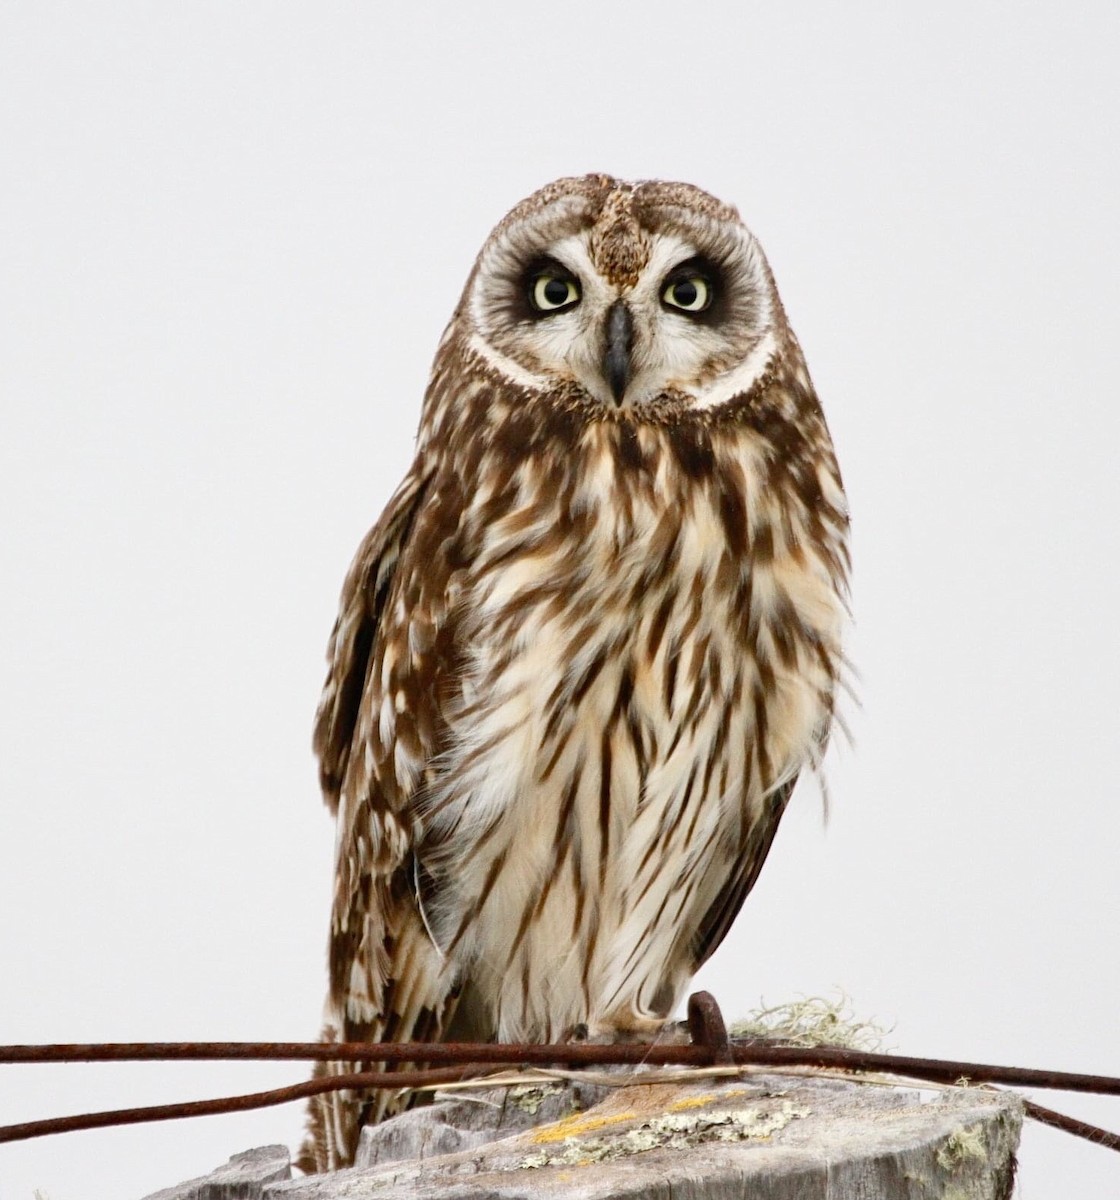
pixel 616 360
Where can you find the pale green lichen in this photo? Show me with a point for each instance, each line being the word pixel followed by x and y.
pixel 673 1131
pixel 529 1098
pixel 960 1145
pixel 812 1021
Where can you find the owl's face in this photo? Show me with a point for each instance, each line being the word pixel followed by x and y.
pixel 633 293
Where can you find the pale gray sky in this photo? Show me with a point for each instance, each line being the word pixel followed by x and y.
pixel 230 235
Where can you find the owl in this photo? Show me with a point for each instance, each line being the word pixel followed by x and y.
pixel 588 647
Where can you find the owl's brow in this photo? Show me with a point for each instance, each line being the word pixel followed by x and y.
pixel 545 262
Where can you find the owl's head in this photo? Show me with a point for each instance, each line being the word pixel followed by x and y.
pixel 634 293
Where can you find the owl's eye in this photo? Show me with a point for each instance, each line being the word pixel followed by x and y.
pixel 691 293
pixel 551 292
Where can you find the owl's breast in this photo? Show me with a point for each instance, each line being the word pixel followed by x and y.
pixel 645 657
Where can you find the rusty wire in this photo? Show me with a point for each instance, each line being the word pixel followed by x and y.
pixel 1068 1124
pixel 745 1052
pixel 229 1104
pixel 453 1061
pixel 444 1053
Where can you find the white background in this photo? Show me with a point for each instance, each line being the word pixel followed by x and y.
pixel 230 235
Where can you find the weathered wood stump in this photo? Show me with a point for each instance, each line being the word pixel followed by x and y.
pixel 770 1137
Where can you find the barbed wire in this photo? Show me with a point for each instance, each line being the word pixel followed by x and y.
pixel 455 1061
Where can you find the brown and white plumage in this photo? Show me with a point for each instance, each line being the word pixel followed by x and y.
pixel 587 649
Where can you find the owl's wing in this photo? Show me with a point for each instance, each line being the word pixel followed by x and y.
pixel 348 654
pixel 722 913
pixel 388 981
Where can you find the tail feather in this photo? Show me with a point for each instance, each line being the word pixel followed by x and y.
pixel 335 1119
pixel 418 999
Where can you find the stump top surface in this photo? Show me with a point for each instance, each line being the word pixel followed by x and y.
pixel 780 1136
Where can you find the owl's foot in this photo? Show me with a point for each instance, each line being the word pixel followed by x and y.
pixel 633 1029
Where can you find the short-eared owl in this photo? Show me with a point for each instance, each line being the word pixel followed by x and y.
pixel 586 650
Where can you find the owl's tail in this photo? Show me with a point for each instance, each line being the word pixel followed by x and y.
pixel 335 1119
pixel 422 1003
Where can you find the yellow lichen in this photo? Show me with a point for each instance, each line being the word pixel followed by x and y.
pixel 700 1101
pixel 578 1124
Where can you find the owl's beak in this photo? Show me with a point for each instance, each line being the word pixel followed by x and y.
pixel 616 359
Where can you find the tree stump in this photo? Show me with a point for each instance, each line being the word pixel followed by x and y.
pixel 767 1136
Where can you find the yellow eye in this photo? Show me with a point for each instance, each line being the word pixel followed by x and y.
pixel 691 294
pixel 551 292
